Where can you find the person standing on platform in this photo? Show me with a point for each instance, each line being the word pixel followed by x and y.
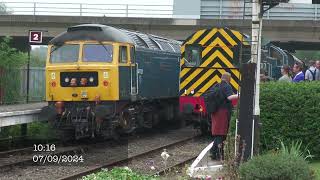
pixel 221 118
pixel 285 74
pixel 297 69
pixel 311 72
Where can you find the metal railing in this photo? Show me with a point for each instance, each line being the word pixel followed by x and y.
pixel 235 9
pixel 13 85
pixel 85 9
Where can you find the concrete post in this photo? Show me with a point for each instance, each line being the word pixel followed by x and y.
pixel 256 58
pixel 80 9
pixel 34 8
pixel 127 10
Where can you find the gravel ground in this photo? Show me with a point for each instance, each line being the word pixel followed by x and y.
pixel 177 154
pixel 21 107
pixel 97 155
pixel 24 156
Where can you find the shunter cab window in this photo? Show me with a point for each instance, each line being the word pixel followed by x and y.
pixel 123 54
pixel 65 53
pixel 97 53
pixel 193 55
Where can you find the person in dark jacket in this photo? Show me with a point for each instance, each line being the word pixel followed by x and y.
pixel 297 69
pixel 221 118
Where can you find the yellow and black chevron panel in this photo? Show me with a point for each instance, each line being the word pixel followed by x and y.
pixel 206 55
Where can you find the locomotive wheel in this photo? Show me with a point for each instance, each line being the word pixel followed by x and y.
pixel 126 122
pixel 148 120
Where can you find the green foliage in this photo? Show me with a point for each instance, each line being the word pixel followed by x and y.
pixel 295 149
pixel 12 131
pixel 308 55
pixel 276 166
pixel 41 130
pixel 38 130
pixel 10 83
pixel 10 57
pixel 117 174
pixel 290 111
pixel 316 167
pixel 4 9
pixel 38 56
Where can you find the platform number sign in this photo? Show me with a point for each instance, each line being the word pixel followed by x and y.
pixel 35 36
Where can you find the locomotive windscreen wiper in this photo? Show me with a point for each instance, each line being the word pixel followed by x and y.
pixel 56 47
pixel 100 42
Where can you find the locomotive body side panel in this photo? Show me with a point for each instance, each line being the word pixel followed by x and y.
pixel 157 74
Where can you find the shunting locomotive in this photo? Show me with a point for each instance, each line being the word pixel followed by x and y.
pixel 102 80
pixel 205 56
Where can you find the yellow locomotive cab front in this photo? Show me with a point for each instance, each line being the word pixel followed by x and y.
pixel 82 71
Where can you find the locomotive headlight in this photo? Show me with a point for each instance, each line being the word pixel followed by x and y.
pixel 66 79
pixel 91 79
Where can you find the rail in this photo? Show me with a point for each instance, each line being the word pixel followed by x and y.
pixel 86 9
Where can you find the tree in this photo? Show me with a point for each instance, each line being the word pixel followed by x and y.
pixel 11 57
pixel 308 55
pixel 10 75
pixel 4 9
pixel 38 56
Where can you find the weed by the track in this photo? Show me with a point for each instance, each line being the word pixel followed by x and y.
pixel 119 174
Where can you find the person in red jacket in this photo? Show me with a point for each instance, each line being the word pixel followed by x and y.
pixel 221 118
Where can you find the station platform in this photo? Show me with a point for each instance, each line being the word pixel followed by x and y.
pixel 20 113
pixel 22 107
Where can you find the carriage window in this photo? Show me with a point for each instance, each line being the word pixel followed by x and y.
pixel 123 54
pixel 65 53
pixel 277 55
pixel 97 53
pixel 193 55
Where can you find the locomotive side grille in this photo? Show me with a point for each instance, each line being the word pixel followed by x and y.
pixel 79 79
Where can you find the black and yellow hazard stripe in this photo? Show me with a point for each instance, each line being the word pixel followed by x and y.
pixel 217 57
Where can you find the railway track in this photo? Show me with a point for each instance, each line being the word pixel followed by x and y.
pixel 25 156
pixel 125 160
pixel 103 155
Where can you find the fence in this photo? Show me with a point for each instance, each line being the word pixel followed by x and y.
pixel 13 85
pixel 210 9
pixel 236 9
pixel 84 9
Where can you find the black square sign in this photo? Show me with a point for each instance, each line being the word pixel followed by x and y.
pixel 35 36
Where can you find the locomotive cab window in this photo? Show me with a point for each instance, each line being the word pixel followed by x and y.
pixel 97 53
pixel 132 55
pixel 123 54
pixel 193 55
pixel 64 54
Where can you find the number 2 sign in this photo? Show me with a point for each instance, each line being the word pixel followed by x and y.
pixel 35 36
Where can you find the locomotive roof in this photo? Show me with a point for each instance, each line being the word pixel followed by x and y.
pixel 99 32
